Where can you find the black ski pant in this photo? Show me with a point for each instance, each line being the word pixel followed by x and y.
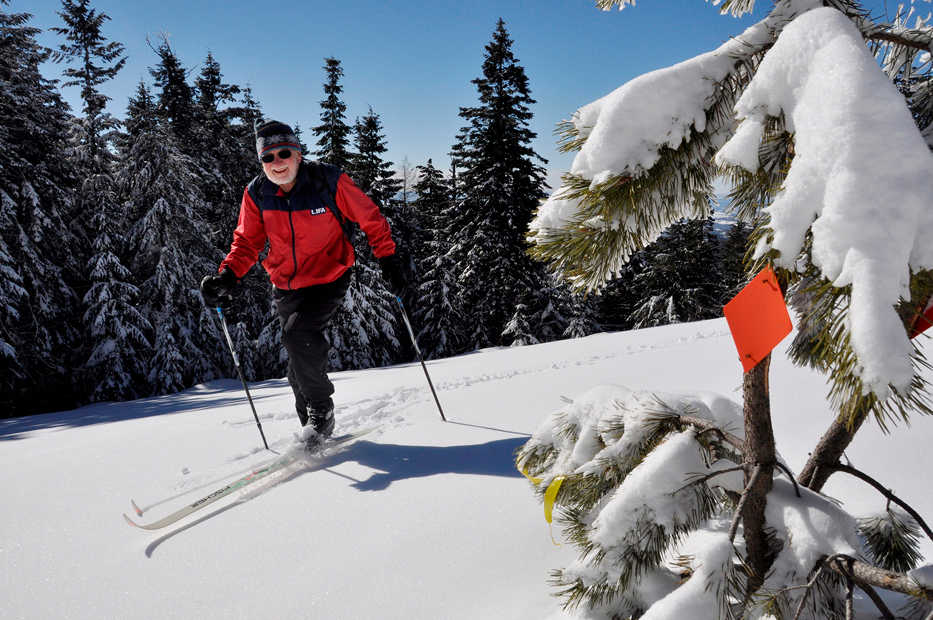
pixel 304 314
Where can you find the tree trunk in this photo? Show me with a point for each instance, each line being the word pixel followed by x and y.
pixel 829 450
pixel 759 452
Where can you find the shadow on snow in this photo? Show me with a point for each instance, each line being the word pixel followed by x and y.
pixel 212 395
pixel 393 463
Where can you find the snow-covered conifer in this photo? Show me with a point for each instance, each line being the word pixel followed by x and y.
pixel 501 180
pixel 437 315
pixel 117 332
pixel 42 237
pixel 97 62
pixel 333 134
pixel 681 278
pixel 175 96
pixel 826 157
pixel 362 333
pixel 171 250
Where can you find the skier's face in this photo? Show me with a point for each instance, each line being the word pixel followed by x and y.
pixel 281 171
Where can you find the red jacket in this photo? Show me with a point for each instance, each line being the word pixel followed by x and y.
pixel 307 244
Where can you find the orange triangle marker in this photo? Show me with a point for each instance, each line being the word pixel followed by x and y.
pixel 758 318
pixel 922 321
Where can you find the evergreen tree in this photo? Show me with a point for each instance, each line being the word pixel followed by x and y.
pixel 219 149
pixel 362 333
pixel 437 312
pixel 373 174
pixel 519 327
pixel 681 281
pixel 141 116
pixel 98 61
pixel 116 366
pixel 227 162
pixel 333 134
pixel 171 252
pixel 618 299
pixel 14 304
pixel 40 246
pixel 584 317
pixel 175 95
pixel 501 183
pixel 734 273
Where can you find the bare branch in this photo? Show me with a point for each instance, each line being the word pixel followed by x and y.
pixel 707 477
pixel 879 603
pixel 708 426
pixel 734 528
pixel 786 471
pixel 887 493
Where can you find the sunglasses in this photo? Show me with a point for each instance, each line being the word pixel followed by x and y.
pixel 268 158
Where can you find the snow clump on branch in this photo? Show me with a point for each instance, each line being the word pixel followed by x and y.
pixel 869 215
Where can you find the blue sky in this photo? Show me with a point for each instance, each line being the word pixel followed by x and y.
pixel 412 61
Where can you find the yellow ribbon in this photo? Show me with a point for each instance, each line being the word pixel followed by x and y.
pixel 550 495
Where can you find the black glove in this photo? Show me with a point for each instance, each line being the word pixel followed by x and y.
pixel 217 290
pixel 392 274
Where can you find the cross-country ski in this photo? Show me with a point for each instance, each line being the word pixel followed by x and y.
pixel 309 458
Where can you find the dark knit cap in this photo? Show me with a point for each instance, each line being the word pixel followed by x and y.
pixel 275 135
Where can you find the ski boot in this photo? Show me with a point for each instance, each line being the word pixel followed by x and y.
pixel 320 424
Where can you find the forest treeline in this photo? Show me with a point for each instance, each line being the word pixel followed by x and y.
pixel 107 226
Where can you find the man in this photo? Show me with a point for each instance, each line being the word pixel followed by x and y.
pixel 292 206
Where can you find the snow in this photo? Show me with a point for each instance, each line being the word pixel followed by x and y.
pixel 869 216
pixel 421 519
pixel 923 576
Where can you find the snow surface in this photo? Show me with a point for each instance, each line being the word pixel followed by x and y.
pixel 421 519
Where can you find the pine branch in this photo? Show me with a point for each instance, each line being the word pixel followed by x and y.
pixel 809 587
pixel 864 573
pixel 920 39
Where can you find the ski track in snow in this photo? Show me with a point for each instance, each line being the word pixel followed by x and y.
pixel 387 410
pixel 588 361
pixel 383 411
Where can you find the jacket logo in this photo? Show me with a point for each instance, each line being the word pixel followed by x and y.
pixel 319 211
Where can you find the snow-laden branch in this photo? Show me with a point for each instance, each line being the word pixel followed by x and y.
pixel 648 510
pixel 645 156
pixel 859 185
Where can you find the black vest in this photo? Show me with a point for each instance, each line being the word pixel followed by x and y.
pixel 315 189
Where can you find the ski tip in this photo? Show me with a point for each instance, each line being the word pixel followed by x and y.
pixel 139 511
pixel 130 521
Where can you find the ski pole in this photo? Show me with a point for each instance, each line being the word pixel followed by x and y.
pixel 420 357
pixel 236 362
